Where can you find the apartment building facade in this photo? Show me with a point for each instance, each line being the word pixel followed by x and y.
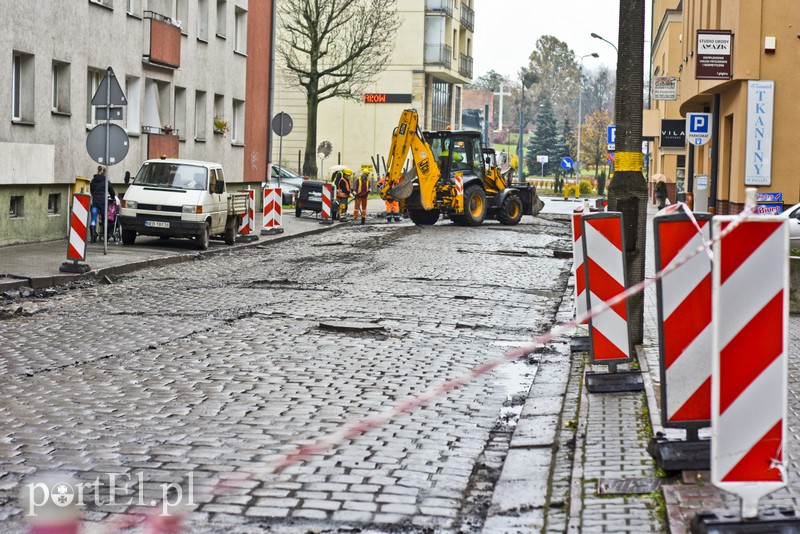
pixel 736 60
pixel 196 86
pixel 432 59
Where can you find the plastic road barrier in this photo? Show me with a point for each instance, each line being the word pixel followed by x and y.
pixel 327 195
pixel 683 305
pixel 248 221
pixel 273 213
pixel 609 331
pixel 750 302
pixel 578 267
pixel 78 225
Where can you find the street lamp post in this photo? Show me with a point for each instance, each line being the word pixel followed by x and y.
pixel 580 112
pixel 606 40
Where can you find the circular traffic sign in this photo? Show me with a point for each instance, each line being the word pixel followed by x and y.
pixel 282 124
pixel 118 144
pixel 567 163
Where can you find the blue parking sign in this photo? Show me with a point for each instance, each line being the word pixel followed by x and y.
pixel 698 128
pixel 612 137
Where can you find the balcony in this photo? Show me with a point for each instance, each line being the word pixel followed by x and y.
pixel 467 17
pixel 439 54
pixel 465 65
pixel 443 7
pixel 161 142
pixel 162 40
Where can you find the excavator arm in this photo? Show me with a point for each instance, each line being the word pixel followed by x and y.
pixel 398 185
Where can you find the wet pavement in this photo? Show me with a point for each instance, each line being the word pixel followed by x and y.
pixel 163 393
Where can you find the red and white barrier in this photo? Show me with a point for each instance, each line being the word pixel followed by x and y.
pixel 247 227
pixel 76 243
pixel 327 195
pixel 273 211
pixel 603 250
pixel 749 350
pixel 683 306
pixel 578 267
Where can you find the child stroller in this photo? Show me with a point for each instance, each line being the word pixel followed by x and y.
pixel 114 228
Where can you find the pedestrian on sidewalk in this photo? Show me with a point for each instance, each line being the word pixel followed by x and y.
pixel 343 191
pixel 361 192
pixel 98 189
pixel 392 205
pixel 661 193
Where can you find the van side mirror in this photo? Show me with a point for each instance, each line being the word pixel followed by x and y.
pixel 219 187
pixel 127 177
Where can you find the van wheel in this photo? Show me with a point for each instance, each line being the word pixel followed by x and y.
pixel 202 239
pixel 128 237
pixel 230 232
pixel 297 211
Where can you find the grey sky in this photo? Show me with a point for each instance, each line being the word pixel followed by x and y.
pixel 506 31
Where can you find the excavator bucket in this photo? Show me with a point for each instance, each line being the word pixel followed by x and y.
pixel 405 186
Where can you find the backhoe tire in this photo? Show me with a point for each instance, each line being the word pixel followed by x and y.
pixel 298 211
pixel 423 217
pixel 510 211
pixel 474 205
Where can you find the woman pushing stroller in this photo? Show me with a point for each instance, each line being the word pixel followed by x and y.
pixel 98 189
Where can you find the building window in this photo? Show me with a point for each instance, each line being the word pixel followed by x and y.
pixel 157 104
pixel 240 29
pixel 202 20
pixel 16 209
pixel 54 203
pixel 59 91
pixel 180 112
pixel 440 104
pixel 237 126
pixel 200 115
pixel 22 78
pixel 133 94
pixel 219 105
pixel 162 7
pixel 182 14
pixel 105 3
pixel 93 79
pixel 134 8
pixel 222 20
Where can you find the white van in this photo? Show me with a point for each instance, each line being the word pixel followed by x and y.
pixel 181 198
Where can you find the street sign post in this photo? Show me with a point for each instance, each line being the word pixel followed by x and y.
pixel 698 128
pixel 612 138
pixel 107 143
pixel 542 160
pixel 282 125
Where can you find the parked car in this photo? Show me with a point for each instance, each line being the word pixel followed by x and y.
pixel 288 181
pixel 793 214
pixel 310 199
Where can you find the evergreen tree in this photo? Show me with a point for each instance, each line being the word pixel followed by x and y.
pixel 545 141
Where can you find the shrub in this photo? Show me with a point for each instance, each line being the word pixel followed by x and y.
pixel 586 188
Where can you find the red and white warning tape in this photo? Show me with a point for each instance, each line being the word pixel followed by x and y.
pixel 156 524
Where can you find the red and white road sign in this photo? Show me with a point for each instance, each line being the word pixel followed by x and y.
pixel 578 267
pixel 78 224
pixel 604 257
pixel 683 305
pixel 327 194
pixel 750 299
pixel 273 214
pixel 247 226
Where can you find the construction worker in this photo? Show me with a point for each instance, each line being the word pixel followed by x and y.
pixel 343 191
pixel 361 192
pixel 392 205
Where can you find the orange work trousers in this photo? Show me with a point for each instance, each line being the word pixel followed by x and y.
pixel 360 207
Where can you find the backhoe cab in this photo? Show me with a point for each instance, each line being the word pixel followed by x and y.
pixel 429 188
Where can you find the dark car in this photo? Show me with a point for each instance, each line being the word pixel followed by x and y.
pixel 310 199
pixel 288 181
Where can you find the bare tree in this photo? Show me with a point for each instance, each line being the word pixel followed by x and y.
pixel 333 48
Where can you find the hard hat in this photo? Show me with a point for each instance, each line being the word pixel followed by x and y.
pixel 348 172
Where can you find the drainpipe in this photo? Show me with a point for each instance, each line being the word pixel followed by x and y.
pixel 712 186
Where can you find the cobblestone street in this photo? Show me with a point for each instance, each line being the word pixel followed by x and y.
pixel 188 374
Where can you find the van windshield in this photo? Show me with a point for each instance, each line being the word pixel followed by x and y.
pixel 173 176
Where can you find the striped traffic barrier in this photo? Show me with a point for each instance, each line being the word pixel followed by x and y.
pixel 750 301
pixel 459 185
pixel 248 222
pixel 683 306
pixel 78 226
pixel 327 196
pixel 609 331
pixel 273 212
pixel 579 343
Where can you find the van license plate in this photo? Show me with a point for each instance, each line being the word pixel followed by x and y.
pixel 157 224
